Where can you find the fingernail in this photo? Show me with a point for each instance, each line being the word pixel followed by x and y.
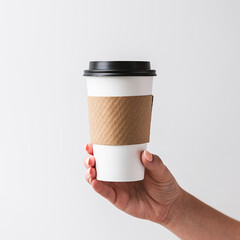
pixel 90 180
pixel 86 147
pixel 89 159
pixel 148 155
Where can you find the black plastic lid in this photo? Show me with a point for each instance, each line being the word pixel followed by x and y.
pixel 119 68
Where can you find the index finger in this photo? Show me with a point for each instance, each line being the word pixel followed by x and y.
pixel 89 148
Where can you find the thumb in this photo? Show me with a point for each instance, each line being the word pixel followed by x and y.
pixel 154 166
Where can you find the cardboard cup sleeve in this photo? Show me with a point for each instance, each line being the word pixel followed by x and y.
pixel 122 120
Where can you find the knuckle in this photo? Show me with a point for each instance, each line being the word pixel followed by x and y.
pixel 86 176
pixel 86 160
pixel 157 160
pixel 93 171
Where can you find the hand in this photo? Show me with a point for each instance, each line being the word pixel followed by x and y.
pixel 149 199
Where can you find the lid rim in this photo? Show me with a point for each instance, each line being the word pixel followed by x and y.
pixel 117 74
pixel 119 68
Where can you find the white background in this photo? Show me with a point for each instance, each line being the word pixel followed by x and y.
pixel 44 48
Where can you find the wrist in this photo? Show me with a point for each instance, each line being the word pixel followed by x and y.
pixel 175 210
pixel 166 215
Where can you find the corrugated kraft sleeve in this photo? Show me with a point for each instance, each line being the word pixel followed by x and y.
pixel 122 120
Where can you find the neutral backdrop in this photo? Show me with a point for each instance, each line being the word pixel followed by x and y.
pixel 44 48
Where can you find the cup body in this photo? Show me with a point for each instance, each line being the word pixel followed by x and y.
pixel 119 163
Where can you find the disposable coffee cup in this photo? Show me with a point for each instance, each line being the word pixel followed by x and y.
pixel 119 110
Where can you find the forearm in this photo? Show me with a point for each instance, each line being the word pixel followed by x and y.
pixel 189 218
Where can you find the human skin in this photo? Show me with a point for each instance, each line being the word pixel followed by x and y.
pixel 160 199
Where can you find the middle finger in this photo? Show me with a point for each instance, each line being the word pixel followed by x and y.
pixel 89 161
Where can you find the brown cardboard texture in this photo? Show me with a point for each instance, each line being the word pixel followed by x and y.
pixel 122 120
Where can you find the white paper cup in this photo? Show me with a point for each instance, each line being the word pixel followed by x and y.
pixel 119 163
